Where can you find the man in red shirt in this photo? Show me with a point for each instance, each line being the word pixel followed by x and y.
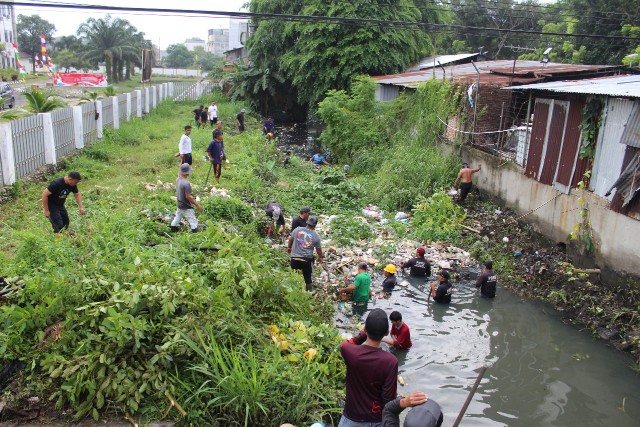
pixel 400 336
pixel 371 374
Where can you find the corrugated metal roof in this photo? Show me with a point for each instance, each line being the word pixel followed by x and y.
pixel 442 59
pixel 631 134
pixel 627 86
pixel 497 73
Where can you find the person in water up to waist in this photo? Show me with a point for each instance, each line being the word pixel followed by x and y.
pixel 419 266
pixel 361 287
pixel 487 281
pixel 441 292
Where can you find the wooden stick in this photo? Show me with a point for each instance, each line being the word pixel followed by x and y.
pixel 587 270
pixel 175 404
pixel 470 229
pixel 131 420
pixel 470 396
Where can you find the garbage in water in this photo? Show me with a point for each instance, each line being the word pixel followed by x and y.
pixel 452 191
pixel 505 239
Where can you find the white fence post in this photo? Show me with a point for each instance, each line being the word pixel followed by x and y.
pixel 116 112
pixel 198 90
pixel 154 97
pixel 99 121
pixel 138 105
pixel 160 92
pixel 171 89
pixel 77 127
pixel 49 141
pixel 7 155
pixel 128 116
pixel 146 101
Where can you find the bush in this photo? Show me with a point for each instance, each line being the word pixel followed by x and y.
pixel 227 208
pixel 437 218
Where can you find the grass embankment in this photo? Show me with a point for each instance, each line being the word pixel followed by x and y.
pixel 116 317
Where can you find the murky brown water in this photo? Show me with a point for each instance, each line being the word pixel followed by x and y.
pixel 543 372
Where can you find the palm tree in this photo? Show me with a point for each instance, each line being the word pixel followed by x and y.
pixel 89 96
pixel 41 102
pixel 258 85
pixel 109 40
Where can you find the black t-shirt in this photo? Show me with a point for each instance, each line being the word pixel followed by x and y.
pixel 443 293
pixel 59 192
pixel 240 118
pixel 298 222
pixel 389 283
pixel 197 112
pixel 487 283
pixel 419 267
pixel 204 116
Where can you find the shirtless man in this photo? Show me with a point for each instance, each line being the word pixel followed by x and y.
pixel 466 175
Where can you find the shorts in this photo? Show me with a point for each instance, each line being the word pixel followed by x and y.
pixel 465 187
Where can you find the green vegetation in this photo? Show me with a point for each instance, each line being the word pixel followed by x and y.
pixel 116 315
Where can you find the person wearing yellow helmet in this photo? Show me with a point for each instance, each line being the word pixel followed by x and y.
pixel 390 280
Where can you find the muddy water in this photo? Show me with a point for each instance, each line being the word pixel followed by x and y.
pixel 542 372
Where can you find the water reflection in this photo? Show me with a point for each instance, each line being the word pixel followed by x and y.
pixel 542 372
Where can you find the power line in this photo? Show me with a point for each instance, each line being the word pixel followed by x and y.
pixel 306 18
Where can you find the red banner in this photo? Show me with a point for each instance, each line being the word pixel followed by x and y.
pixel 80 79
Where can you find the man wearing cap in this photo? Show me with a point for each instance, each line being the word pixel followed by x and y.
pixel 54 196
pixel 418 266
pixel 215 151
pixel 274 211
pixel 400 335
pixel 301 220
pixel 360 289
pixel 186 201
pixel 487 281
pixel 371 373
pixel 441 292
pixel 240 120
pixel 425 412
pixel 301 244
pixel 466 175
pixel 184 146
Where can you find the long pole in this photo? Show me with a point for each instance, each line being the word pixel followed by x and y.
pixel 470 396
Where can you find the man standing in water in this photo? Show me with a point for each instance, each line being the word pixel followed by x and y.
pixel 361 287
pixel 466 177
pixel 441 292
pixel 418 266
pixel 487 281
pixel 54 196
pixel 371 373
pixel 300 246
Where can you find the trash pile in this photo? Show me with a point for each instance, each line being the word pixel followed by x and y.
pixel 159 184
pixel 220 192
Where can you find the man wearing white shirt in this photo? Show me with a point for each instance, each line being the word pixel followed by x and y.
pixel 213 113
pixel 184 147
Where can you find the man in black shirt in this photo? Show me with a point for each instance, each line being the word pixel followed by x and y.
pixel 301 220
pixel 197 112
pixel 487 281
pixel 240 120
pixel 54 196
pixel 418 266
pixel 441 292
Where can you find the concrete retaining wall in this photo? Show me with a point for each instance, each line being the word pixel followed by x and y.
pixel 616 236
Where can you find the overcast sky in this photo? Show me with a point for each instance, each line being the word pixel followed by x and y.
pixel 161 29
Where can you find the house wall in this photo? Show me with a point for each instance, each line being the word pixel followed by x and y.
pixel 616 248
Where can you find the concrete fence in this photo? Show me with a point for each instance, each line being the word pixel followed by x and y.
pixel 43 139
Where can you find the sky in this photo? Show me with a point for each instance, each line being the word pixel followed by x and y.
pixel 162 30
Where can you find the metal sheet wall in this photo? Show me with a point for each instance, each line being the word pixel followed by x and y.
pixel 553 143
pixel 28 144
pixel 609 151
pixel 89 124
pixel 570 145
pixel 633 208
pixel 63 131
pixel 107 112
pixel 538 134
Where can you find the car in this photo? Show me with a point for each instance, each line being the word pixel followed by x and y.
pixel 6 96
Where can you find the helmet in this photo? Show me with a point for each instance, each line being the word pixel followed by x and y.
pixel 270 135
pixel 390 268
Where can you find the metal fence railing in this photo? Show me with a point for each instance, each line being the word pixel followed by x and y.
pixel 144 99
pixel 89 123
pixel 107 112
pixel 122 107
pixel 28 144
pixel 63 131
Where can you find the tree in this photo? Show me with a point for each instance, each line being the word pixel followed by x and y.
pixel 178 56
pixel 67 59
pixel 112 41
pixel 315 57
pixel 30 27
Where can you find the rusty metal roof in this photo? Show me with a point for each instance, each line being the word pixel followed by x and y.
pixel 627 86
pixel 496 73
pixel 431 62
